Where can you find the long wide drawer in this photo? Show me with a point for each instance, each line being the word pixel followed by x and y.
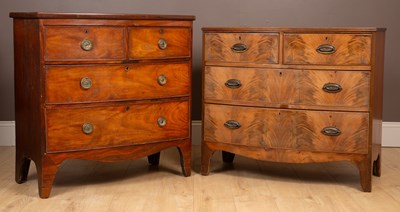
pixel 320 131
pixel 262 48
pixel 69 84
pixel 63 43
pixel 269 87
pixel 327 49
pixel 115 125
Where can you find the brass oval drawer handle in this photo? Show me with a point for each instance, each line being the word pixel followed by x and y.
pixel 233 83
pixel 87 45
pixel 87 128
pixel 232 124
pixel 161 121
pixel 331 131
pixel 332 88
pixel 162 79
pixel 326 49
pixel 239 47
pixel 162 43
pixel 86 83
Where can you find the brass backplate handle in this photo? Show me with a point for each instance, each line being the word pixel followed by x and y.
pixel 87 45
pixel 331 131
pixel 162 79
pixel 233 83
pixel 332 88
pixel 161 121
pixel 232 124
pixel 86 83
pixel 162 43
pixel 87 128
pixel 239 47
pixel 326 49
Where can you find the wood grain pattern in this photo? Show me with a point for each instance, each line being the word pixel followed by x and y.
pixel 287 88
pixel 287 129
pixel 278 155
pixel 362 161
pixel 63 43
pixel 134 124
pixel 355 88
pixel 261 47
pixel 377 101
pixel 143 42
pixel 53 161
pixel 116 82
pixel 351 49
pixel 29 129
pixel 286 106
pixel 284 66
pixel 124 101
pixel 117 22
pixel 257 85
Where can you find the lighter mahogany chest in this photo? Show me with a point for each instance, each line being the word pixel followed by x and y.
pixel 294 95
pixel 103 87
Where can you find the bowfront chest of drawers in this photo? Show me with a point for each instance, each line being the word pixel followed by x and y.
pixel 106 87
pixel 294 95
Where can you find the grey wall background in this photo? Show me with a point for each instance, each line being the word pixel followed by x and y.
pixel 279 13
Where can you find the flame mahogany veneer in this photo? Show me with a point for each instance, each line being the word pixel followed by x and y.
pixel 295 95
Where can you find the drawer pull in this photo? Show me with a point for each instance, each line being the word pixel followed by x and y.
pixel 162 79
pixel 87 45
pixel 162 44
pixel 161 121
pixel 331 131
pixel 239 47
pixel 233 83
pixel 332 88
pixel 326 49
pixel 87 128
pixel 232 124
pixel 86 83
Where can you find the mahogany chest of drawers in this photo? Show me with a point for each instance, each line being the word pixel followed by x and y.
pixel 294 95
pixel 105 87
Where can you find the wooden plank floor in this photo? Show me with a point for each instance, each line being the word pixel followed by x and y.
pixel 247 185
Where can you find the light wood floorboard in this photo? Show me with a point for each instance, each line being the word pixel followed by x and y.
pixel 245 185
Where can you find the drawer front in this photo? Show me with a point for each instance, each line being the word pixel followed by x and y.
pixel 118 125
pixel 327 49
pixel 84 43
pixel 335 88
pixel 242 47
pixel 71 84
pixel 287 129
pixel 252 85
pixel 255 86
pixel 159 42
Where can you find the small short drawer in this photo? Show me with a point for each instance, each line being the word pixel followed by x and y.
pixel 294 88
pixel 327 49
pixel 72 84
pixel 90 127
pixel 260 48
pixel 319 131
pixel 84 43
pixel 159 42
